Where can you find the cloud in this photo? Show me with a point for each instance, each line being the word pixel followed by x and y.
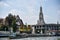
pixel 16 12
pixel 42 1
pixel 49 19
pixel 58 11
pixel 46 16
pixel 28 18
pixel 28 10
pixel 13 11
pixel 4 4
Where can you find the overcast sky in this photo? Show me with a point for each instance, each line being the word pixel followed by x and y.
pixel 28 10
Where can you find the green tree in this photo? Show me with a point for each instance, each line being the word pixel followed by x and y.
pixel 11 20
pixel 4 28
pixel 14 24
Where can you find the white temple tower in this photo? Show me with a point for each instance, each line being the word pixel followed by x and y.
pixel 41 18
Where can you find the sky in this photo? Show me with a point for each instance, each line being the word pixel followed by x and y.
pixel 28 10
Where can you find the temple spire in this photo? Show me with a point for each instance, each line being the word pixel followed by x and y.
pixel 41 19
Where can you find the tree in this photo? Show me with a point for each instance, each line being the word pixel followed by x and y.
pixel 4 28
pixel 14 25
pixel 11 21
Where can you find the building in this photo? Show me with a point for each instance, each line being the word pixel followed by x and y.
pixel 19 23
pixel 18 20
pixel 47 28
pixel 2 21
pixel 41 18
pixel 42 28
pixel 11 20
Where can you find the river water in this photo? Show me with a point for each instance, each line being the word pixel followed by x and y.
pixel 33 38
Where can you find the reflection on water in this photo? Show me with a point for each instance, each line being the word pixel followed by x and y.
pixel 33 38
